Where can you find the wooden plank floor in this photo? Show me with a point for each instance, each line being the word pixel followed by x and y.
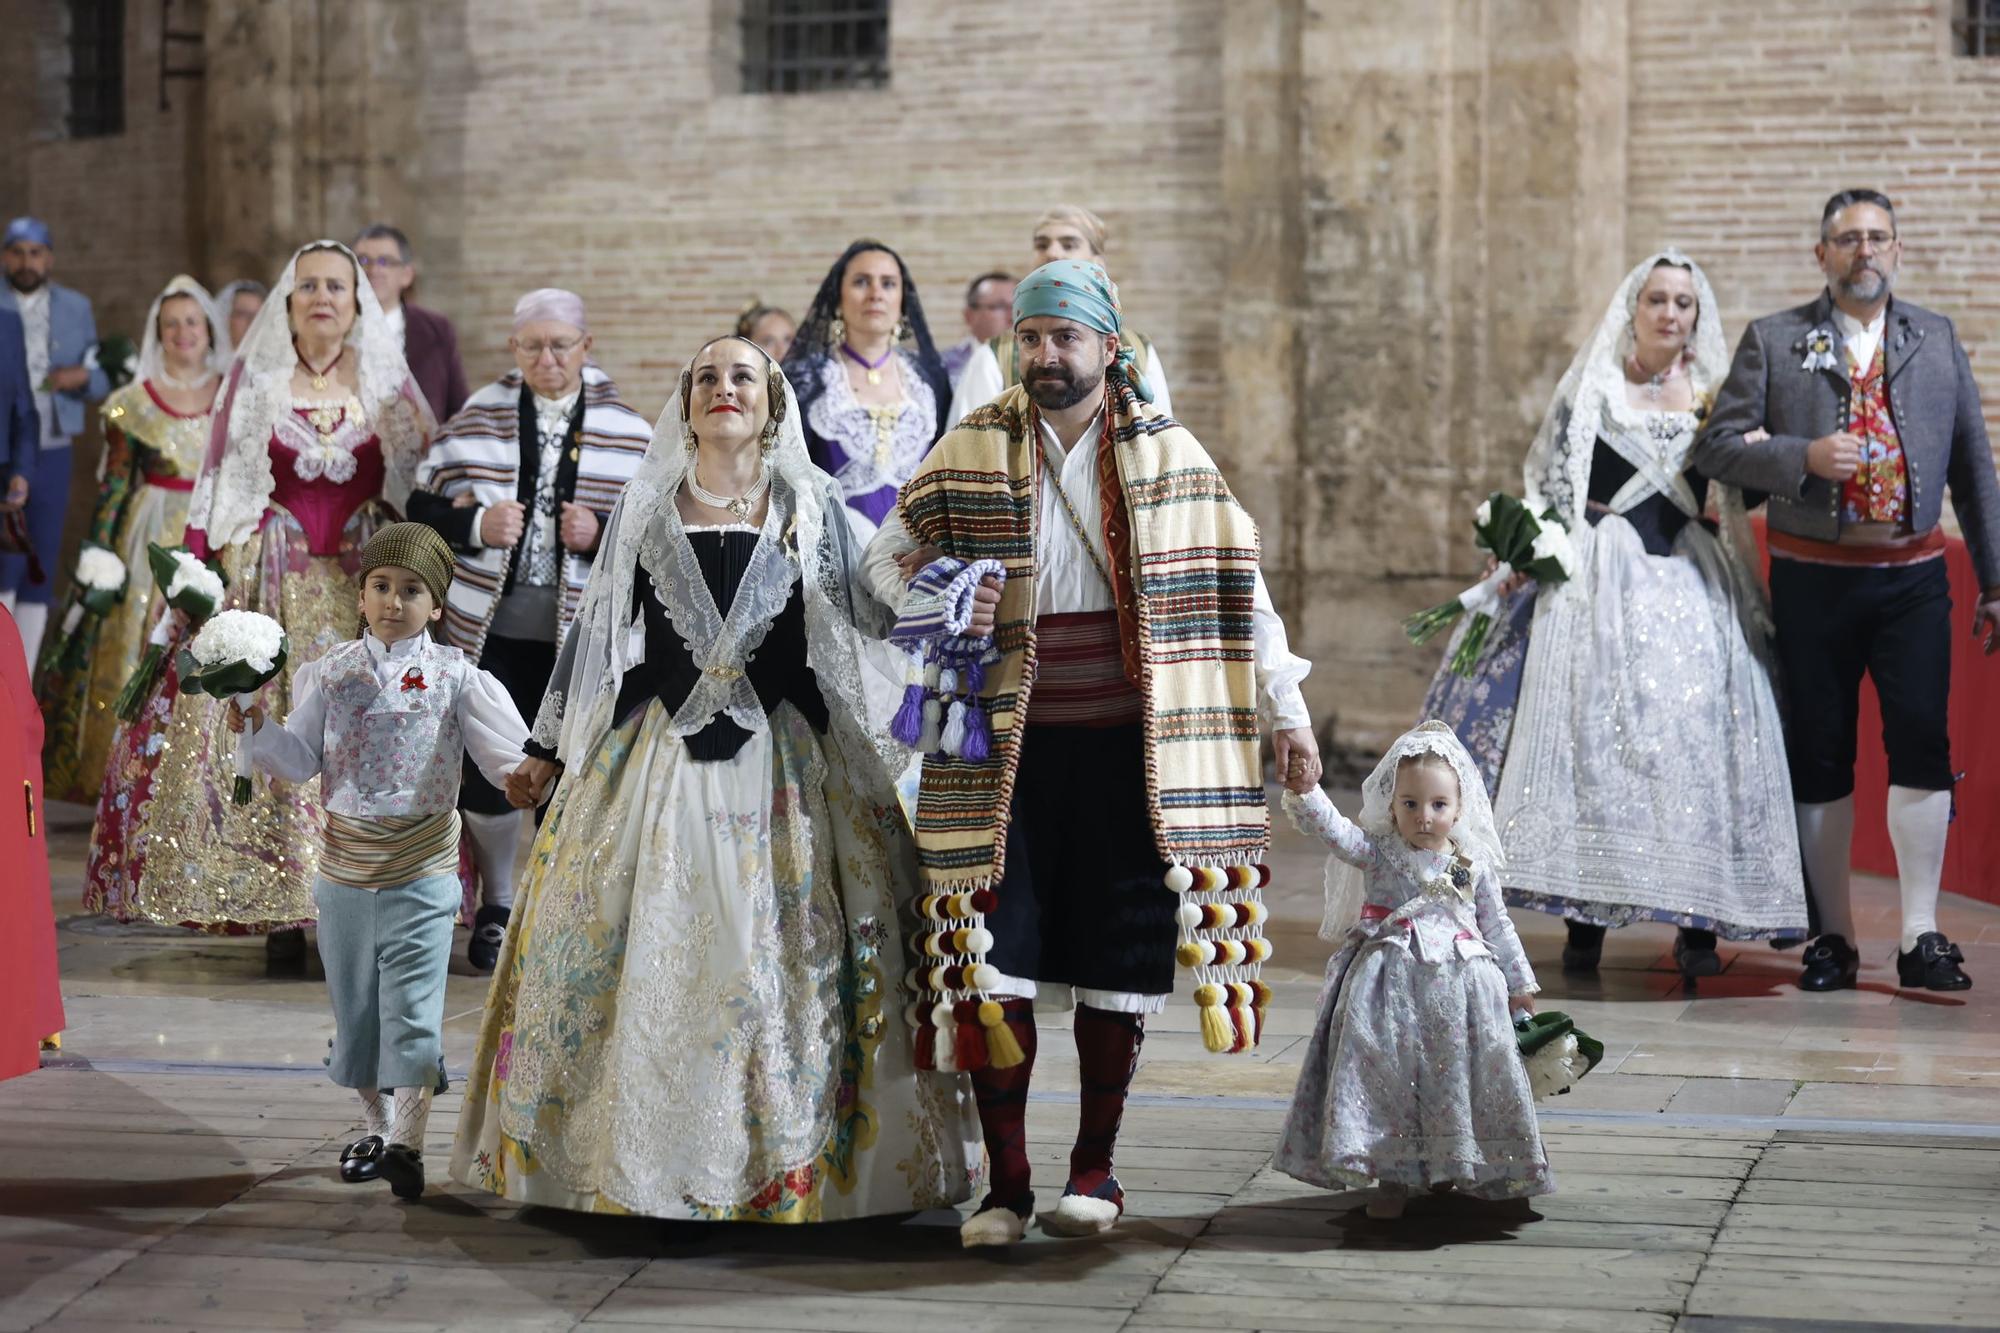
pixel 207 1201
pixel 1750 1160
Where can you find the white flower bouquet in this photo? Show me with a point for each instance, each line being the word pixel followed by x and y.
pixel 1557 1052
pixel 186 585
pixel 116 357
pixel 235 654
pixel 1523 542
pixel 99 586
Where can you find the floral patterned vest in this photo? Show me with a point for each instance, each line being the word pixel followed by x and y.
pixel 1879 491
pixel 395 749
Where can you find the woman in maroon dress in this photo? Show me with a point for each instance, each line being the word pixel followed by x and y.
pixel 315 441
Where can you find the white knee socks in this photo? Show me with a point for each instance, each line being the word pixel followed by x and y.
pixel 1826 839
pixel 31 618
pixel 413 1112
pixel 495 839
pixel 1918 823
pixel 374 1112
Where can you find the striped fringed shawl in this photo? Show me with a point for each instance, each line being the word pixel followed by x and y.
pixel 479 453
pixel 1194 563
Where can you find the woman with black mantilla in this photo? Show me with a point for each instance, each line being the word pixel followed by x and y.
pixel 873 392
pixel 694 1014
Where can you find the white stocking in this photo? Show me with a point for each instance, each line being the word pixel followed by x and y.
pixel 495 840
pixel 374 1112
pixel 31 618
pixel 413 1112
pixel 1826 838
pixel 1918 823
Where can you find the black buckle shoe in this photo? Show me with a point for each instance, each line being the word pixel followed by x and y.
pixel 403 1167
pixel 489 932
pixel 1831 964
pixel 361 1159
pixel 1933 965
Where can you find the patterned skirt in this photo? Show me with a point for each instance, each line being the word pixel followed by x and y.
pixel 1480 707
pixel 76 702
pixel 695 1013
pixel 168 845
pixel 1414 1078
pixel 1646 777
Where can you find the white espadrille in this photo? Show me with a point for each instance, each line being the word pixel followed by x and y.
pixel 1082 1215
pixel 992 1226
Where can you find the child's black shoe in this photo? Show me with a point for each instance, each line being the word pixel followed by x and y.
pixel 489 932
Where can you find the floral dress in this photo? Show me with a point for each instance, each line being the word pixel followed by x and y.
pixel 168 845
pixel 151 455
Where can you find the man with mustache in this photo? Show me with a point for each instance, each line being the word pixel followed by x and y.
pixel 1872 415
pixel 60 334
pixel 1138 659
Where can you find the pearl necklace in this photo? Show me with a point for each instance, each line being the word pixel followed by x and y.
pixel 173 381
pixel 742 504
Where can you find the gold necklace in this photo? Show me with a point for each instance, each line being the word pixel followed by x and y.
pixel 319 376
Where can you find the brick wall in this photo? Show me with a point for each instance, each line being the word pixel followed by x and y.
pixel 1744 118
pixel 119 206
pixel 631 169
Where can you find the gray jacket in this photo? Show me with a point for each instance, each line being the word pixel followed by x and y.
pixel 1932 399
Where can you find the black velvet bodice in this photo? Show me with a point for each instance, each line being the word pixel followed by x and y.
pixel 1656 519
pixel 777 669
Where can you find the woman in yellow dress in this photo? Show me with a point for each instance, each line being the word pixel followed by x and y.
pixel 155 430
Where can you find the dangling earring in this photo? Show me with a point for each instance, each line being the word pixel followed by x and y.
pixel 770 440
pixel 687 439
pixel 902 330
pixel 836 332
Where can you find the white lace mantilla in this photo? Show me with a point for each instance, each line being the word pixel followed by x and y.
pixel 236 480
pixel 320 453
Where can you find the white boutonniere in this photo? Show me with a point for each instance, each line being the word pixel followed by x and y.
pixel 1819 345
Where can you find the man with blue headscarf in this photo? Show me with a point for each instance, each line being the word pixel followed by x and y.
pixel 1135 660
pixel 59 332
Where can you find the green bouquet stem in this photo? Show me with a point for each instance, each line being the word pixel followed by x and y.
pixel 1473 646
pixel 1424 626
pixel 137 689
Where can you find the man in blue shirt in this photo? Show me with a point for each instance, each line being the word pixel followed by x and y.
pixel 59 331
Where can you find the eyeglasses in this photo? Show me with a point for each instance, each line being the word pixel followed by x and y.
pixel 533 350
pixel 1851 240
pixel 991 305
pixel 378 261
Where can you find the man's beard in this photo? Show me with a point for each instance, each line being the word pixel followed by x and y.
pixel 1055 390
pixel 1870 284
pixel 26 280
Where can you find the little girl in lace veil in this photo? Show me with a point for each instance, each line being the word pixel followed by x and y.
pixel 1414 1078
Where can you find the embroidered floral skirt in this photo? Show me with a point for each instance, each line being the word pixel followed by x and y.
pixel 1414 1078
pixel 1646 777
pixel 1480 707
pixel 695 1013
pixel 76 702
pixel 168 845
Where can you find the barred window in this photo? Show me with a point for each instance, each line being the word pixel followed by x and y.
pixel 804 46
pixel 1977 28
pixel 96 68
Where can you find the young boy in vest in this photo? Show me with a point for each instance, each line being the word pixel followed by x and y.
pixel 385 721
